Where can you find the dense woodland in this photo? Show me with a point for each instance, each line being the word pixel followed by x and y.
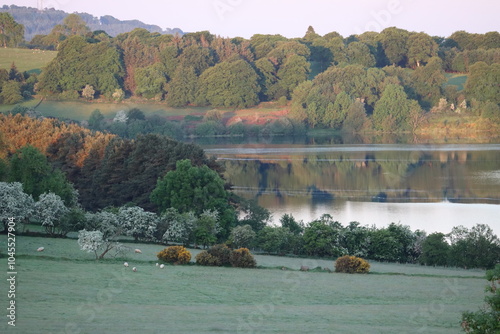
pixel 387 81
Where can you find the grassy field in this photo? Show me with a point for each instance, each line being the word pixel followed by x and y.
pixel 63 290
pixel 25 59
pixel 456 79
pixel 81 110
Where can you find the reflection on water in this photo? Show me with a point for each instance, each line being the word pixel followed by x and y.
pixel 347 180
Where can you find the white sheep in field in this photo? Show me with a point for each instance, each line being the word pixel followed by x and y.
pixel 162 266
pixel 40 249
pixel 126 264
pixel 157 264
pixel 134 269
pixel 137 250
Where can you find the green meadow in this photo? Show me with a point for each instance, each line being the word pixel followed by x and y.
pixel 32 61
pixel 64 290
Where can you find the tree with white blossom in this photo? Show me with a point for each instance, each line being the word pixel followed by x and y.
pixel 100 238
pixel 50 211
pixel 180 226
pixel 138 223
pixel 14 203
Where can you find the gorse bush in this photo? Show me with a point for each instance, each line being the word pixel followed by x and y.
pixel 351 265
pixel 221 255
pixel 205 259
pixel 242 258
pixel 218 255
pixel 175 255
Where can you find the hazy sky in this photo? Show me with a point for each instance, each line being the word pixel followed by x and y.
pixel 290 18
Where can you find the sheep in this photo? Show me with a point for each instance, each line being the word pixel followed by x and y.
pixel 162 266
pixel 304 268
pixel 137 250
pixel 134 269
pixel 157 264
pixel 40 249
pixel 125 264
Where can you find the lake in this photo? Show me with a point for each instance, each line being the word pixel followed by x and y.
pixel 431 187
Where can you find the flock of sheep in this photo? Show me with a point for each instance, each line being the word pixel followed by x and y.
pixel 134 269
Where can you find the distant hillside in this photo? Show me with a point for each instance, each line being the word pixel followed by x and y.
pixel 37 22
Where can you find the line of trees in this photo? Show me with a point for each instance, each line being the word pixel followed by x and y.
pixel 386 81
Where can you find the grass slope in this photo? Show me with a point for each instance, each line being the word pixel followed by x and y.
pixel 64 290
pixel 25 59
pixel 456 80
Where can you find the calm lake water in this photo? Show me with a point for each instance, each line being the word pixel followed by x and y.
pixel 432 187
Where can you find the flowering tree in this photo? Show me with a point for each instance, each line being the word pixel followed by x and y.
pixel 242 236
pixel 180 226
pixel 138 223
pixel 50 210
pixel 101 237
pixel 14 203
pixel 93 241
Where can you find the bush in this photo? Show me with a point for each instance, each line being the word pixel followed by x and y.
pixel 205 259
pixel 218 255
pixel 242 258
pixel 175 255
pixel 351 265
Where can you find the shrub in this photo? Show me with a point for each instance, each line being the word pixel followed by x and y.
pixel 351 265
pixel 222 253
pixel 218 255
pixel 242 258
pixel 175 255
pixel 206 259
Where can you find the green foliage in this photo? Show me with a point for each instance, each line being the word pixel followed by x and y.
pixel 477 247
pixel 96 120
pixel 229 84
pixel 279 240
pixel 482 82
pixel 207 228
pixel 486 320
pixel 189 188
pixel 421 48
pixel 351 265
pixel 209 129
pixel 30 167
pixel 11 92
pixel 11 32
pixel 175 255
pixel 255 215
pixel 151 81
pixel 392 110
pixel 104 70
pixel 242 258
pixel 396 243
pixel 182 88
pixel 323 238
pixel 128 171
pixel 394 42
pixel 435 250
